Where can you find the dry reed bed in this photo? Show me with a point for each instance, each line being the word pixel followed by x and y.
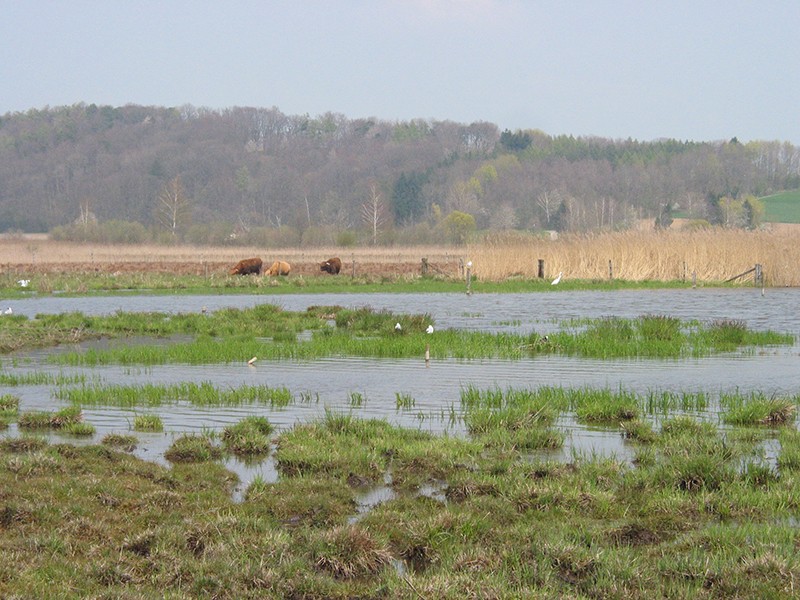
pixel 715 255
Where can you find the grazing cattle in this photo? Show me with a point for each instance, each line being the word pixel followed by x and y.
pixel 247 266
pixel 332 265
pixel 279 267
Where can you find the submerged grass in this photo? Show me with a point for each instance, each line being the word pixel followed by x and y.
pixel 152 395
pixel 233 336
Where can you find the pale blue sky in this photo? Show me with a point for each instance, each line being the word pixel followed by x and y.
pixel 689 70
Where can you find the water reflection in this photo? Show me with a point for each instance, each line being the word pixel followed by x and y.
pixel 327 384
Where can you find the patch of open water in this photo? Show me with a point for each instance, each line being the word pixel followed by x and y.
pixel 328 383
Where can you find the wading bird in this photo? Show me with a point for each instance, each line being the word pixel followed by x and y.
pixel 557 279
pixel 429 329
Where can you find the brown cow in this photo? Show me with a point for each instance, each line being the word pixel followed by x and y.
pixel 279 267
pixel 247 266
pixel 332 265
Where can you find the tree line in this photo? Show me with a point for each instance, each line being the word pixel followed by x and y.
pixel 261 176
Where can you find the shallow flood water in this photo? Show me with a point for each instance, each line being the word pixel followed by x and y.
pixel 329 383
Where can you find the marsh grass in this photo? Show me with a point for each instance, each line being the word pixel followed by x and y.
pixel 9 407
pixel 250 436
pixel 152 395
pixel 758 409
pixel 350 552
pixel 60 419
pixel 604 406
pixel 233 336
pixel 79 429
pixel 404 401
pixel 40 378
pixel 666 402
pixel 703 517
pixel 147 422
pixel 120 441
pixel 357 399
pixel 192 448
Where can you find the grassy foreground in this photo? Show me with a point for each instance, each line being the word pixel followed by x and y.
pixel 699 514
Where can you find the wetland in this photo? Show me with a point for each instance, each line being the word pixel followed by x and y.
pixel 622 443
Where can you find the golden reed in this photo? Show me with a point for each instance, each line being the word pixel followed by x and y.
pixel 713 254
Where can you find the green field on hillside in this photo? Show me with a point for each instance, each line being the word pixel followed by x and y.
pixel 783 207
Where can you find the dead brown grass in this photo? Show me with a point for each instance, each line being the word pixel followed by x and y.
pixel 713 254
pixel 38 255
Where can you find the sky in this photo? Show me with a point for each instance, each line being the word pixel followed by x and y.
pixel 700 70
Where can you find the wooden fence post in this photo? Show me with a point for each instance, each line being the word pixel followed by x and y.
pixel 541 268
pixel 424 266
pixel 610 270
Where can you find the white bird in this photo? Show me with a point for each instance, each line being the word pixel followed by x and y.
pixel 24 282
pixel 252 360
pixel 429 329
pixel 398 327
pixel 557 279
pixel 8 311
pixel 469 264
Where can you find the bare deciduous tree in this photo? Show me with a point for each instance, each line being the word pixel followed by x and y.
pixel 173 206
pixel 373 212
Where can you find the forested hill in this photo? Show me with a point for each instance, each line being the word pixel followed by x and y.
pixel 245 168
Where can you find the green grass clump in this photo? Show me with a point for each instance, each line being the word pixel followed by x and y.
pixel 22 444
pixel 192 448
pixel 9 407
pixel 121 441
pixel 67 420
pixel 404 401
pixel 250 436
pixel 350 552
pixel 514 417
pixel 789 457
pixel 604 406
pixel 79 429
pixel 758 409
pixel 148 423
pixel 310 500
pixel 34 419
